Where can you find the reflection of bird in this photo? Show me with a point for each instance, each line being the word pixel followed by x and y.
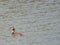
pixel 13 33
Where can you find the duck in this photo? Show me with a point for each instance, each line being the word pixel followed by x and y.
pixel 13 33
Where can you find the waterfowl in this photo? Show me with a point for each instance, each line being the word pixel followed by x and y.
pixel 13 33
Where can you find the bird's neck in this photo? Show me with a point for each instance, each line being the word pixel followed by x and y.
pixel 13 32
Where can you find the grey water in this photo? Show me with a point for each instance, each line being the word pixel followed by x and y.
pixel 37 20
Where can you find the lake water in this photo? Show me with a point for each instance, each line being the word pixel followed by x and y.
pixel 37 20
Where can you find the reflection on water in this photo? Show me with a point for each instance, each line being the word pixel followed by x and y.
pixel 38 20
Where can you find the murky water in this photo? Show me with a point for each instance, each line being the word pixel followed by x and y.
pixel 38 20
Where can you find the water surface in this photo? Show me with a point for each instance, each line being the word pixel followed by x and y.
pixel 38 20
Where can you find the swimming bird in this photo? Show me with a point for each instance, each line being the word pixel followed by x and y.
pixel 13 33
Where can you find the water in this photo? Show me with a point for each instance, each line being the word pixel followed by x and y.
pixel 38 20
